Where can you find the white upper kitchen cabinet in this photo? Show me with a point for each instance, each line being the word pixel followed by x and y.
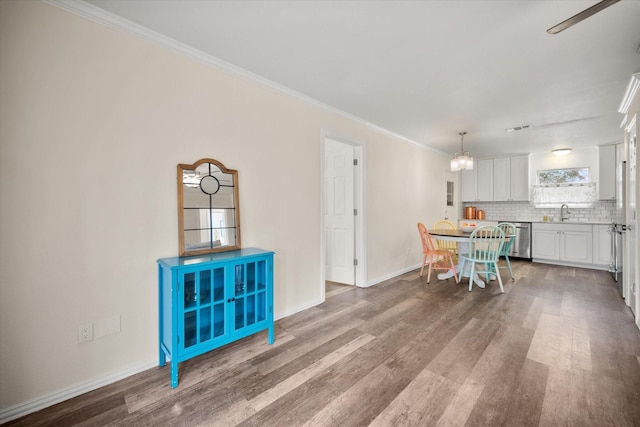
pixel 607 172
pixel 477 184
pixel 511 179
pixel 501 174
pixel 485 180
pixel 469 185
pixel 520 178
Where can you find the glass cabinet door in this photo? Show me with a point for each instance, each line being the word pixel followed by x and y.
pixel 250 294
pixel 203 306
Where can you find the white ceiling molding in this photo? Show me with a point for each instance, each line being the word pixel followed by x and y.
pixel 629 96
pixel 631 123
pixel 93 13
pixel 401 66
pixel 632 90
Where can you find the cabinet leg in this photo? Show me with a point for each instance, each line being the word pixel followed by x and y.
pixel 271 335
pixel 162 359
pixel 174 374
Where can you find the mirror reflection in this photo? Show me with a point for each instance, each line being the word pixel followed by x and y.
pixel 209 216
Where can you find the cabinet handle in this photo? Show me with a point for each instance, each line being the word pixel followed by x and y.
pixel 231 299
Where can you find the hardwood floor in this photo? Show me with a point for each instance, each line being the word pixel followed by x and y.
pixel 558 348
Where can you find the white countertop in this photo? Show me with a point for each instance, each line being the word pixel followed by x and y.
pixel 551 222
pixel 575 222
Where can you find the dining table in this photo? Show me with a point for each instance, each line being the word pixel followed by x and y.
pixel 462 238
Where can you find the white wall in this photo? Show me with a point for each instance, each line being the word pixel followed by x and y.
pixel 92 125
pixel 578 158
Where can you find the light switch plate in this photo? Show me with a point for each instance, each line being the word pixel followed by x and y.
pixel 108 326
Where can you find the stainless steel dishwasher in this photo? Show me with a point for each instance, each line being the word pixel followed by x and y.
pixel 521 247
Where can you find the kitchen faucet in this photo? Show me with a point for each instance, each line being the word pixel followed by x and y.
pixel 562 212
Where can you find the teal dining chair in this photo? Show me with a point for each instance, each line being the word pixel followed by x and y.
pixel 485 244
pixel 509 230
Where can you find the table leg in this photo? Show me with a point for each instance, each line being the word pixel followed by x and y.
pixel 449 273
pixel 446 275
pixel 463 247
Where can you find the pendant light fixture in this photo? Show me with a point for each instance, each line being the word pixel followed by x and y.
pixel 462 160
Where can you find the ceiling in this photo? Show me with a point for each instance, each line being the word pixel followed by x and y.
pixel 427 70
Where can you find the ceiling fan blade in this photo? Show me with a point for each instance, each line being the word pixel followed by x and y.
pixel 581 16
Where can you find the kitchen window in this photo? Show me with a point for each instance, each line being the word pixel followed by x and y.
pixel 569 185
pixel 563 176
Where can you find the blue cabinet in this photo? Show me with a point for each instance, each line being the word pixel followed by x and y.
pixel 210 300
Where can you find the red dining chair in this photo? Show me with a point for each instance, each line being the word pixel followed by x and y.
pixel 434 255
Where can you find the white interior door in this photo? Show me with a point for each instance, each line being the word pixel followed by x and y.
pixel 339 212
pixel 631 261
pixel 451 202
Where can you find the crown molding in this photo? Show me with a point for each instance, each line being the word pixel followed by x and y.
pixel 632 90
pixel 115 22
pixel 629 96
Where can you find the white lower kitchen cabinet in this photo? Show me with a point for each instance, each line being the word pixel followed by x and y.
pixel 568 244
pixel 576 245
pixel 545 244
pixel 602 245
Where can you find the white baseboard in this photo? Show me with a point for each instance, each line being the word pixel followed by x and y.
pixel 570 264
pixel 45 401
pixel 296 310
pixel 392 275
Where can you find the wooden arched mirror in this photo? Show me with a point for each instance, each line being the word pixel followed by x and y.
pixel 208 211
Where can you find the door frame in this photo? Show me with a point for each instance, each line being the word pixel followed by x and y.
pixel 359 188
pixel 632 245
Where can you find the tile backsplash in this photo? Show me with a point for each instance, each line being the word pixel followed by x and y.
pixel 601 211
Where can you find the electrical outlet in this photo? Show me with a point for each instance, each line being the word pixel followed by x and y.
pixel 85 332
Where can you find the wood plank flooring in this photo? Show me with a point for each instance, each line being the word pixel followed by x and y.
pixel 559 348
